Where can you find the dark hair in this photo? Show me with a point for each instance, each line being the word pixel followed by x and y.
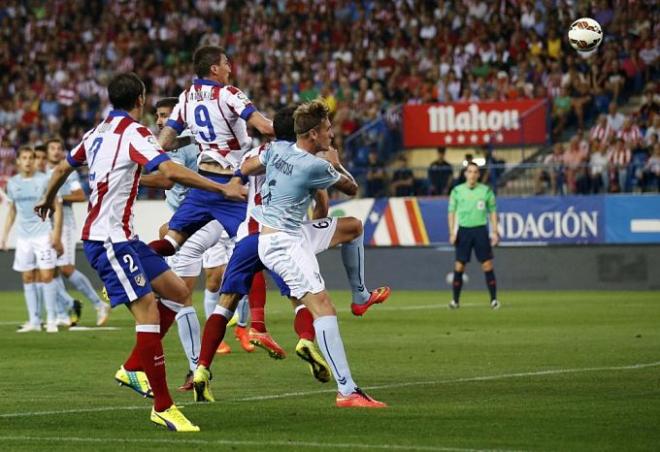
pixel 309 115
pixel 124 90
pixel 53 140
pixel 167 102
pixel 472 164
pixel 37 148
pixel 205 57
pixel 283 123
pixel 442 149
pixel 24 148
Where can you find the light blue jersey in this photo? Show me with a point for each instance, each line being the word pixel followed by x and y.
pixel 25 192
pixel 292 178
pixel 71 184
pixel 186 156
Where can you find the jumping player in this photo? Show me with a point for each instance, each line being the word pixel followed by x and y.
pixel 116 150
pixel 473 202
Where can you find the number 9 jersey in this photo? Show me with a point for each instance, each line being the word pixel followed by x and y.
pixel 217 116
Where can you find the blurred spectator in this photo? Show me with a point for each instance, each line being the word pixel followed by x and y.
pixel 440 174
pixel 620 157
pixel 598 171
pixel 551 175
pixel 651 173
pixel 574 159
pixel 376 177
pixel 630 133
pixel 615 119
pixel 601 132
pixel 403 180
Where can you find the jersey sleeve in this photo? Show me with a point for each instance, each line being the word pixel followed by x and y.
pixel 264 155
pixel 323 175
pixel 239 103
pixel 177 119
pixel 145 150
pixel 453 201
pixel 78 155
pixel 490 200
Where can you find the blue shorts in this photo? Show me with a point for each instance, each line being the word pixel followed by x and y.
pixel 243 264
pixel 200 206
pixel 475 238
pixel 126 268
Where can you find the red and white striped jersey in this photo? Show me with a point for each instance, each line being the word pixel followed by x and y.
pixel 217 116
pixel 631 135
pixel 115 151
pixel 250 225
pixel 601 133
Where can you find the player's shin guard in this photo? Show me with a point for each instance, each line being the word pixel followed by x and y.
pixel 214 333
pixel 257 300
pixel 32 303
pixel 50 300
pixel 352 256
pixel 332 347
pixel 457 285
pixel 303 323
pixel 84 285
pixel 210 301
pixel 189 334
pixel 152 359
pixel 167 315
pixel 492 284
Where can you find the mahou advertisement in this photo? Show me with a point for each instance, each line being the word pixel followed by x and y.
pixel 502 123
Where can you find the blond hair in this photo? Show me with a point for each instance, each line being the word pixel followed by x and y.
pixel 308 116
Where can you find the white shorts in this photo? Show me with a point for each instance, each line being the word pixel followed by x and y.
pixel 317 234
pixel 288 256
pixel 187 262
pixel 69 244
pixel 34 252
pixel 219 253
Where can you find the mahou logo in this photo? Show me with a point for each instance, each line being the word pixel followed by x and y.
pixel 475 123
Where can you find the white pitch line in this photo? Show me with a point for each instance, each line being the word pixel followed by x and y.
pixel 221 442
pixel 385 386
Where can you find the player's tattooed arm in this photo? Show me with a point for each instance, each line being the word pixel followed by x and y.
pixel 46 206
pixel 184 176
pixel 156 180
pixel 252 167
pixel 9 222
pixel 169 140
pixel 322 205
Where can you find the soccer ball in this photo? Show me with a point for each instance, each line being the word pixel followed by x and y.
pixel 585 34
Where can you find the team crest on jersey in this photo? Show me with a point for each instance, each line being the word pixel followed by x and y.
pixel 140 280
pixel 481 205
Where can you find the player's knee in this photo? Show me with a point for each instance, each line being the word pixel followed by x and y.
pixel 28 277
pixel 351 227
pixel 67 270
pixel 459 266
pixel 324 305
pixel 162 231
pixel 487 265
pixel 213 284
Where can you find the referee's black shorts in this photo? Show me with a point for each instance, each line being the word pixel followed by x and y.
pixel 473 238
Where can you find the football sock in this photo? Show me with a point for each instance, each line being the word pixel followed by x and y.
pixel 167 316
pixel 352 256
pixel 50 300
pixel 83 284
pixel 214 333
pixel 243 310
pixel 189 334
pixel 40 299
pixel 30 292
pixel 492 284
pixel 457 285
pixel 152 359
pixel 210 302
pixel 64 299
pixel 330 343
pixel 166 246
pixel 257 300
pixel 303 323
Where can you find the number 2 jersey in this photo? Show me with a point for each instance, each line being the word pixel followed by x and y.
pixel 116 150
pixel 217 116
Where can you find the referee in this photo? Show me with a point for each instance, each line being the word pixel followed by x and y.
pixel 472 202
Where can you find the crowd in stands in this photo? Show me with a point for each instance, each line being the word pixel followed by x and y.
pixel 364 58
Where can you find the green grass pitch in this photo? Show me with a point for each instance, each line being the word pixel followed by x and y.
pixel 549 371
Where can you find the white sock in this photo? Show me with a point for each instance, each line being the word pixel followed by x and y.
pixel 210 301
pixel 332 347
pixel 243 310
pixel 189 334
pixel 32 302
pixel 64 300
pixel 84 285
pixel 40 299
pixel 50 300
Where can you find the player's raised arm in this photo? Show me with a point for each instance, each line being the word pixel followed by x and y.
pixel 156 180
pixel 46 206
pixel 252 167
pixel 184 176
pixel 346 182
pixel 261 123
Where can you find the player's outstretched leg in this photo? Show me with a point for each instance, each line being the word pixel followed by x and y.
pixel 214 332
pixel 350 234
pixel 303 324
pixel 258 334
pixel 327 331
